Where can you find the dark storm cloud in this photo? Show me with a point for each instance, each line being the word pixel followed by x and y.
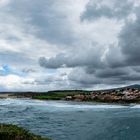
pixel 136 69
pixel 123 61
pixel 107 8
pixel 87 58
pixel 110 73
pixel 86 80
pixel 6 57
pixel 46 16
pixel 82 78
pixel 109 76
pixel 127 51
pixel 115 58
pixel 120 65
pixel 130 41
pixel 131 77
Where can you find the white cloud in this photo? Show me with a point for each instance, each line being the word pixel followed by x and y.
pixel 12 82
pixel 4 2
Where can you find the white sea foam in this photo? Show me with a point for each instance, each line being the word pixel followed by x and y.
pixel 59 104
pixel 135 106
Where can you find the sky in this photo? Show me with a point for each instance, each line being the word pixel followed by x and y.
pixel 69 44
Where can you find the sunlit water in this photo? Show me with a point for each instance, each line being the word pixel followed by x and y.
pixel 62 120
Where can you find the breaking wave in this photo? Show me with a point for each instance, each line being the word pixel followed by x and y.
pixel 61 104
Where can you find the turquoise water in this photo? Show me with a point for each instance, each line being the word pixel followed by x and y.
pixel 62 120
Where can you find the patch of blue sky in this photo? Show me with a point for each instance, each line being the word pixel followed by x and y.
pixel 7 70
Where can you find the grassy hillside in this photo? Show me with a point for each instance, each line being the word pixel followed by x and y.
pixel 58 95
pixel 13 132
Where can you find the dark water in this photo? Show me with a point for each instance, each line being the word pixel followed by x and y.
pixel 73 121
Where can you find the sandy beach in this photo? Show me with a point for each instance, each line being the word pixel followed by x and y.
pixel 4 95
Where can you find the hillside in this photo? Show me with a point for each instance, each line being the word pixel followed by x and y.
pixel 13 132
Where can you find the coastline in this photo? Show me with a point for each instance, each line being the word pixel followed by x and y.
pixel 51 117
pixel 114 96
pixel 3 96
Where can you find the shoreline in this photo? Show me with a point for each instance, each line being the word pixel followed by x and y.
pixel 74 101
pixel 4 96
pixel 118 96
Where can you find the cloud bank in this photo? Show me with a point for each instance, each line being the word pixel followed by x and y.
pixel 64 45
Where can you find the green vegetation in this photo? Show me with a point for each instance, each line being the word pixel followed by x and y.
pixel 58 95
pixel 50 96
pixel 13 132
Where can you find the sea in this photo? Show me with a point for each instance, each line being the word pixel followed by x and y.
pixel 66 120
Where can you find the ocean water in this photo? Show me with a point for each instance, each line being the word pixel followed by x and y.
pixel 62 120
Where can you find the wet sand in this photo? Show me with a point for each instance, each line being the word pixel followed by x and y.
pixel 4 95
